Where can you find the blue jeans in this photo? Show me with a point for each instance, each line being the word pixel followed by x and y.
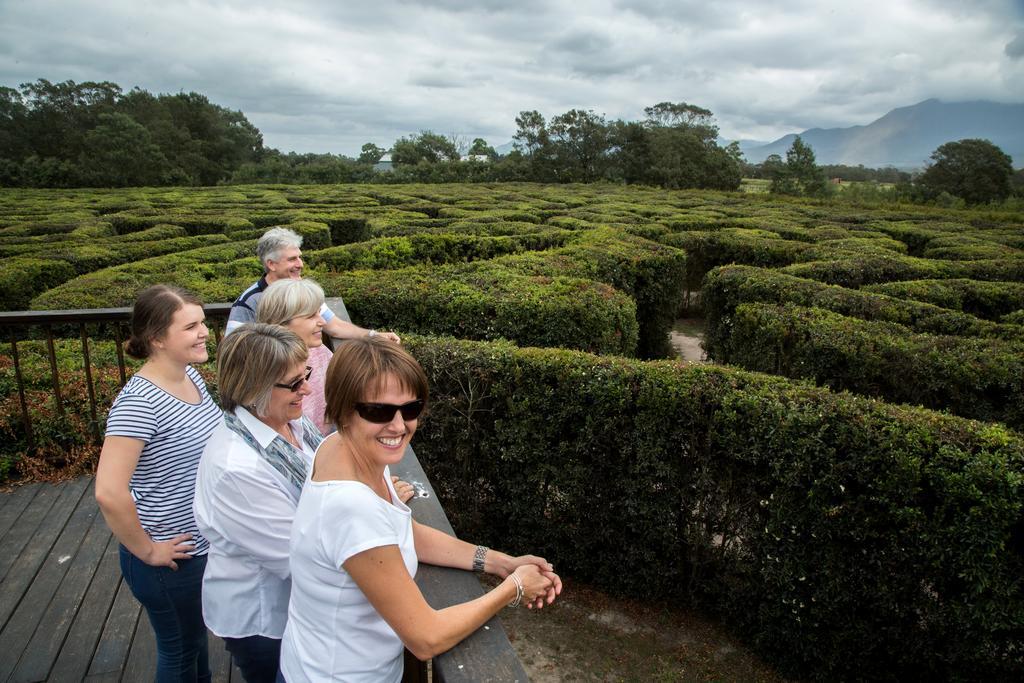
pixel 257 657
pixel 173 601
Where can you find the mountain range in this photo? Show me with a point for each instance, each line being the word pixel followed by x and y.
pixel 906 137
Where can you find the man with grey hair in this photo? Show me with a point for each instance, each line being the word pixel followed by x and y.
pixel 279 252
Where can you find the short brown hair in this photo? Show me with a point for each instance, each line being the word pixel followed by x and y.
pixel 361 367
pixel 152 314
pixel 251 360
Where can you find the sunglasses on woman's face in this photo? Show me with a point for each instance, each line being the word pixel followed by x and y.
pixel 294 386
pixel 382 413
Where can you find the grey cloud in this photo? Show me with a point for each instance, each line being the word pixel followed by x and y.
pixel 1015 48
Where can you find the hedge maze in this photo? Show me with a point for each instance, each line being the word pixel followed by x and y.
pixel 845 484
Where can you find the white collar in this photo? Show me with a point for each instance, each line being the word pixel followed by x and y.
pixel 263 434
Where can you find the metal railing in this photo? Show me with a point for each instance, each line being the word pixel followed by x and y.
pixel 486 655
pixel 20 324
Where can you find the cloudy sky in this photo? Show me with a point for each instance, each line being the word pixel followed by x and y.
pixel 330 75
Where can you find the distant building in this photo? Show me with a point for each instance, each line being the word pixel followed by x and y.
pixel 482 158
pixel 385 165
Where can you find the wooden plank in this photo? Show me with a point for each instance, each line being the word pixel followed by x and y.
pixel 15 503
pixel 116 638
pixel 74 658
pixel 31 518
pixel 487 654
pixel 28 616
pixel 22 573
pixel 141 664
pixel 220 659
pixel 55 623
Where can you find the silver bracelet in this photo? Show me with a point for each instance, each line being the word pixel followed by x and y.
pixel 371 333
pixel 478 558
pixel 519 591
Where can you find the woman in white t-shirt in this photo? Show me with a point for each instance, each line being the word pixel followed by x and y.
pixel 355 546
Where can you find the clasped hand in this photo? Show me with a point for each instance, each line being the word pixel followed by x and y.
pixel 541 585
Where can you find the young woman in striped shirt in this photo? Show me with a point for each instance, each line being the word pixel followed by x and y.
pixel 145 481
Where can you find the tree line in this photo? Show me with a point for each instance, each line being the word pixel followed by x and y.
pixel 94 134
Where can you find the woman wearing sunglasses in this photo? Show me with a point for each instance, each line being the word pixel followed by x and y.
pixel 355 546
pixel 247 487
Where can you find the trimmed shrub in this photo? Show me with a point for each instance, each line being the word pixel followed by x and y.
pixel 856 272
pixel 989 300
pixel 727 287
pixel 22 278
pixel 315 235
pixel 652 273
pixel 977 378
pixel 491 302
pixel 706 250
pixel 825 527
pixel 396 252
pixel 217 273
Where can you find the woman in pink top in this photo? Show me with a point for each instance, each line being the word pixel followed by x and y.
pixel 296 304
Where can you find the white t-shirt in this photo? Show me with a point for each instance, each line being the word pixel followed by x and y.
pixel 333 632
pixel 244 507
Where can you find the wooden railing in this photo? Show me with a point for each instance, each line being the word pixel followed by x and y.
pixel 486 655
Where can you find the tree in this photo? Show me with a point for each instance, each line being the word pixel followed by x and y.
pixel 426 147
pixel 370 154
pixel 800 175
pixel 531 133
pixel 974 170
pixel 480 147
pixel 580 145
pixel 682 115
pixel 120 152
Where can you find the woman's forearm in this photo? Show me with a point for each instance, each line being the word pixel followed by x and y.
pixel 438 548
pixel 119 511
pixel 452 625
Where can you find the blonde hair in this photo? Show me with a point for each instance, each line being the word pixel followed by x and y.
pixel 287 299
pixel 251 360
pixel 360 367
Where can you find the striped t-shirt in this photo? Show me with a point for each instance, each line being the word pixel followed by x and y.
pixel 174 433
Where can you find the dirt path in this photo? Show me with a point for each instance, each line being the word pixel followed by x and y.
pixel 686 336
pixel 587 636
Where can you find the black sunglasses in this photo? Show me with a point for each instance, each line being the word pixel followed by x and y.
pixel 294 386
pixel 382 413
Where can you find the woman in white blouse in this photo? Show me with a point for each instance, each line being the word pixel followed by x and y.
pixel 355 546
pixel 247 487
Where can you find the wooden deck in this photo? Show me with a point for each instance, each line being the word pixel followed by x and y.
pixel 65 613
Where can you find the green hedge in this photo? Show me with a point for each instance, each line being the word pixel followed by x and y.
pixel 396 252
pixel 22 278
pixel 856 272
pixel 1014 318
pixel 976 378
pixel 826 528
pixel 652 273
pixel 196 224
pixel 706 250
pixel 217 273
pixel 490 302
pixel 989 300
pixel 727 287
